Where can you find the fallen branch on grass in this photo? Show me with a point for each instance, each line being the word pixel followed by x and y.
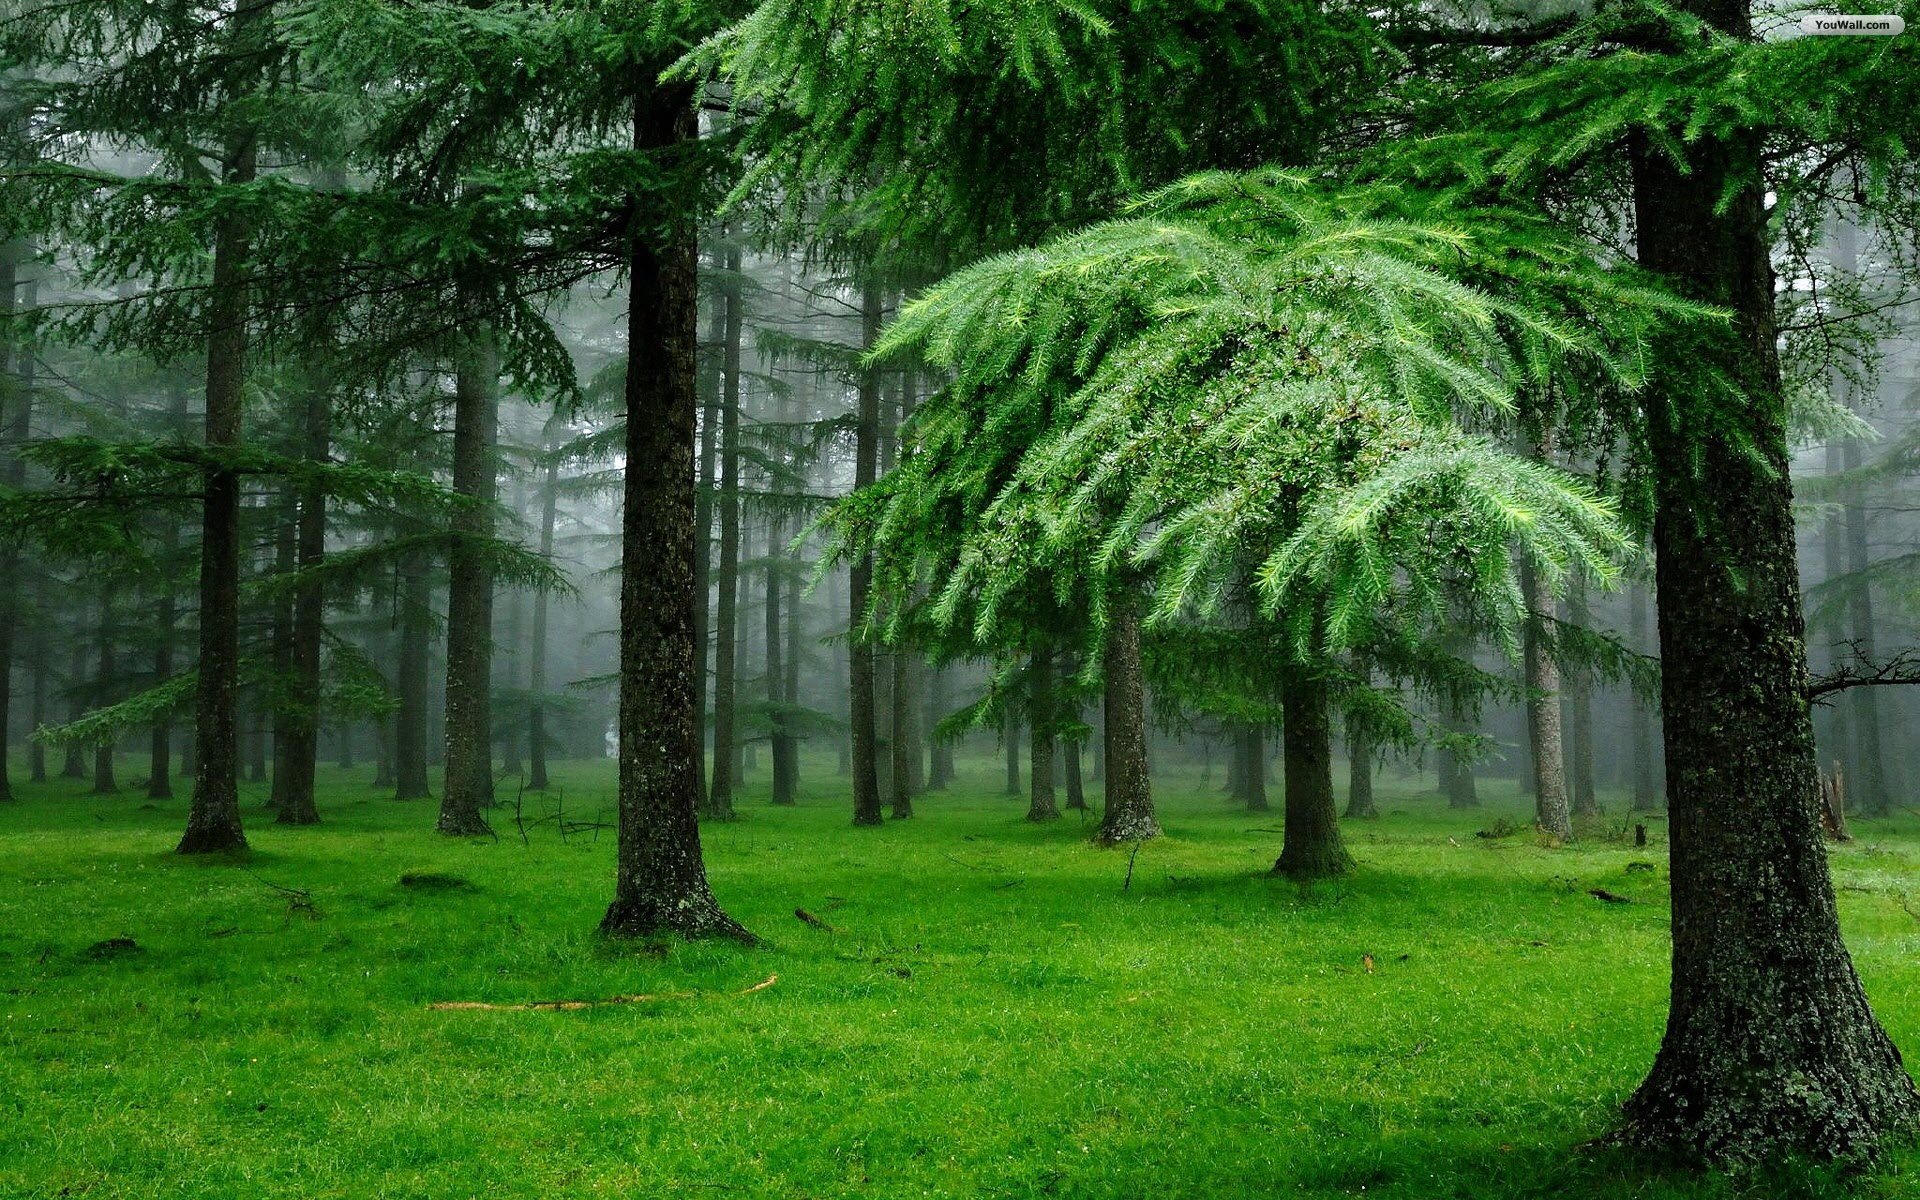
pixel 571 1005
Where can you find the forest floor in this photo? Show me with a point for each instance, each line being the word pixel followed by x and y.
pixel 986 1008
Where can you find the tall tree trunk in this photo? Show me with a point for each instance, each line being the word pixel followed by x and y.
pixel 106 683
pixel 416 645
pixel 708 371
pixel 660 884
pixel 1552 812
pixel 1770 1046
pixel 37 752
pixel 1128 807
pixel 863 717
pixel 1010 739
pixel 1076 779
pixel 1577 713
pixel 780 741
pixel 1646 789
pixel 1041 805
pixel 537 652
pixel 467 788
pixel 940 749
pixel 213 820
pixel 302 743
pixel 74 765
pixel 516 635
pixel 1837 735
pixel 1253 768
pixel 727 613
pixel 795 634
pixel 1867 791
pixel 160 738
pixel 1311 846
pixel 1360 763
pixel 17 382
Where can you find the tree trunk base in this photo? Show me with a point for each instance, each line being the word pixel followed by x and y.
pixel 211 839
pixel 1301 866
pixel 1133 827
pixel 299 814
pixel 695 918
pixel 1832 1103
pixel 463 824
pixel 1043 812
pixel 1361 812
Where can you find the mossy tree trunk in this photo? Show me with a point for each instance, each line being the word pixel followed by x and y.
pixel 660 880
pixel 1770 1046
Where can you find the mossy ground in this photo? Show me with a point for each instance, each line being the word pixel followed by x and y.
pixel 991 1014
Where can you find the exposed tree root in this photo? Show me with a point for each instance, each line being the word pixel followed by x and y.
pixel 571 1005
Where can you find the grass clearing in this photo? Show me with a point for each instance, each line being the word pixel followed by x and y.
pixel 978 1008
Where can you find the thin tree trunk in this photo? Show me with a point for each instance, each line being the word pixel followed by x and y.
pixel 537 653
pixel 37 752
pixel 660 883
pixel 213 820
pixel 1127 814
pixel 297 806
pixel 707 371
pixel 410 720
pixel 1770 1046
pixel 1311 848
pixel 1646 790
pixel 780 741
pixel 864 718
pixel 940 749
pixel 1253 768
pixel 106 682
pixel 1867 791
pixel 467 788
pixel 1041 805
pixel 1010 737
pixel 727 615
pixel 74 765
pixel 1577 714
pixel 19 425
pixel 1360 763
pixel 160 742
pixel 795 633
pixel 1552 812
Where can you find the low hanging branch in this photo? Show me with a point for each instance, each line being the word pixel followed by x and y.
pixel 1902 668
pixel 571 1005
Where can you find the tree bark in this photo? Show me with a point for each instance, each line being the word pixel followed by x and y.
pixel 410 719
pixel 19 424
pixel 165 619
pixel 1770 1046
pixel 537 652
pixel 780 740
pixel 106 683
pixel 1868 794
pixel 1360 764
pixel 726 621
pixel 660 882
pixel 1577 715
pixel 213 819
pixel 302 743
pixel 865 721
pixel 1311 847
pixel 1552 811
pixel 940 749
pixel 1646 788
pixel 1252 776
pixel 1041 805
pixel 1128 808
pixel 467 787
pixel 1010 739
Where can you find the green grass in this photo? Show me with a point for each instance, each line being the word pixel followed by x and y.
pixel 992 1015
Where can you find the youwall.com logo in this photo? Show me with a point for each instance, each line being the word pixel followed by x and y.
pixel 1843 25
